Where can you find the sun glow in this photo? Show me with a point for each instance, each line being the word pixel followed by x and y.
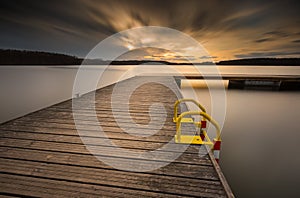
pixel 130 47
pixel 168 55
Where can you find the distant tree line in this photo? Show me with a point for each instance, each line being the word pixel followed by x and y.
pixel 23 57
pixel 263 61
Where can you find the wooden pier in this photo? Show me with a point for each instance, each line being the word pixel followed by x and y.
pixel 42 154
pixel 257 82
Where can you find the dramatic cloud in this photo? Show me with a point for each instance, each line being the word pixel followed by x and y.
pixel 226 28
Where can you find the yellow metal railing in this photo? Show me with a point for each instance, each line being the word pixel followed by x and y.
pixel 202 138
pixel 185 100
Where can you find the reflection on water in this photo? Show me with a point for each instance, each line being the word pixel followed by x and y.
pixel 260 141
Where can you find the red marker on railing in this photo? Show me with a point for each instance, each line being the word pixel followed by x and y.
pixel 203 126
pixel 216 149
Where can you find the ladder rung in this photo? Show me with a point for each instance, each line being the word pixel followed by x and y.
pixel 191 139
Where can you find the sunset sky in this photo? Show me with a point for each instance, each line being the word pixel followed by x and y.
pixel 227 29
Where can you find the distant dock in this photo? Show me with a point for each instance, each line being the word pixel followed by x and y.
pixel 42 155
pixel 264 82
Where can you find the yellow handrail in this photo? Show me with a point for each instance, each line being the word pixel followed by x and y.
pixel 185 100
pixel 203 114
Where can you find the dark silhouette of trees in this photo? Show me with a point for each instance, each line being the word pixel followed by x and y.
pixel 263 61
pixel 23 57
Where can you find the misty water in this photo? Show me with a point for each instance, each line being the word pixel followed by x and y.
pixel 25 89
pixel 259 155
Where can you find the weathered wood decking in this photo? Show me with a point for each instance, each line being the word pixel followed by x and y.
pixel 42 155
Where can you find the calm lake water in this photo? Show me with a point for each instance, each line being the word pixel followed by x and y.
pixel 259 155
pixel 25 89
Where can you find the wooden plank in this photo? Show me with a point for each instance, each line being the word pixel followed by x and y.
pixel 104 151
pixel 110 132
pixel 164 133
pixel 45 187
pixel 137 181
pixel 124 143
pixel 89 125
pixel 67 117
pixel 173 169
